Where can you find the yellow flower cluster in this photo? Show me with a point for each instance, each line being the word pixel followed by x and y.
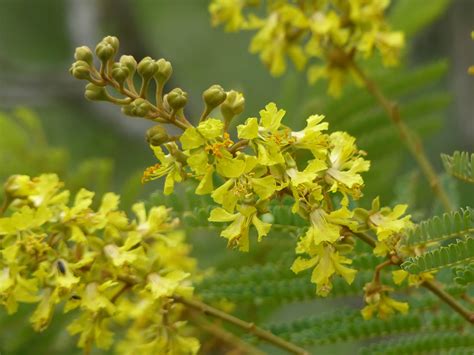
pixel 109 270
pixel 266 169
pixel 244 171
pixel 333 32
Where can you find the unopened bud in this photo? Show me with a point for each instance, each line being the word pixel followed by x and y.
pixel 214 96
pixel 80 70
pixel 233 105
pixel 147 68
pixel 120 72
pixel 164 71
pixel 157 135
pixel 138 108
pixel 104 51
pixel 96 93
pixel 129 62
pixel 85 54
pixel 177 98
pixel 113 41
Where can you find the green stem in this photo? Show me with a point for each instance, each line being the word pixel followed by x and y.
pixel 410 138
pixel 249 327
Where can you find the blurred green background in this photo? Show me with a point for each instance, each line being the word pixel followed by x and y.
pixel 47 125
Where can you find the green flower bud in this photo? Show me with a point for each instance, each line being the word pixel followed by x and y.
pixel 233 105
pixel 129 62
pixel 104 51
pixel 96 93
pixel 177 98
pixel 80 70
pixel 85 54
pixel 120 72
pixel 138 108
pixel 147 68
pixel 157 135
pixel 164 71
pixel 113 41
pixel 214 96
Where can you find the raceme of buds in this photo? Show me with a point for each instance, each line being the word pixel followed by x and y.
pixel 177 98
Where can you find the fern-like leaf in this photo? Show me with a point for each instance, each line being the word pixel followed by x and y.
pixel 460 165
pixel 436 343
pixel 439 228
pixel 465 275
pixel 442 257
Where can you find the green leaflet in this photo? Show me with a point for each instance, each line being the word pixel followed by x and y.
pixel 442 257
pixel 439 228
pixel 460 165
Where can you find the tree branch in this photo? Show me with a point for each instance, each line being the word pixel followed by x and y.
pixel 249 327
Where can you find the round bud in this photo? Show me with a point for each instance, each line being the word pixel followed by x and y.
pixel 129 62
pixel 177 98
pixel 214 96
pixel 95 93
pixel 113 41
pixel 157 135
pixel 80 70
pixel 85 54
pixel 120 72
pixel 164 71
pixel 233 105
pixel 147 68
pixel 138 108
pixel 104 51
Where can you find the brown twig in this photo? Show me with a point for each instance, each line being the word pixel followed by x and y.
pixel 410 138
pixel 249 327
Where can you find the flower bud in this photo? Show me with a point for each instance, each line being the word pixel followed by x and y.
pixel 113 41
pixel 138 108
pixel 80 70
pixel 233 105
pixel 104 51
pixel 85 54
pixel 214 96
pixel 96 93
pixel 164 71
pixel 147 68
pixel 157 135
pixel 129 62
pixel 120 72
pixel 177 98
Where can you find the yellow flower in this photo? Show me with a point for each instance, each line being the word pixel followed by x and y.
pixel 327 262
pixel 345 165
pixel 237 232
pixel 387 222
pixel 382 305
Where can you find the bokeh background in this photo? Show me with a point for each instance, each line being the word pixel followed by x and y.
pixel 47 125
